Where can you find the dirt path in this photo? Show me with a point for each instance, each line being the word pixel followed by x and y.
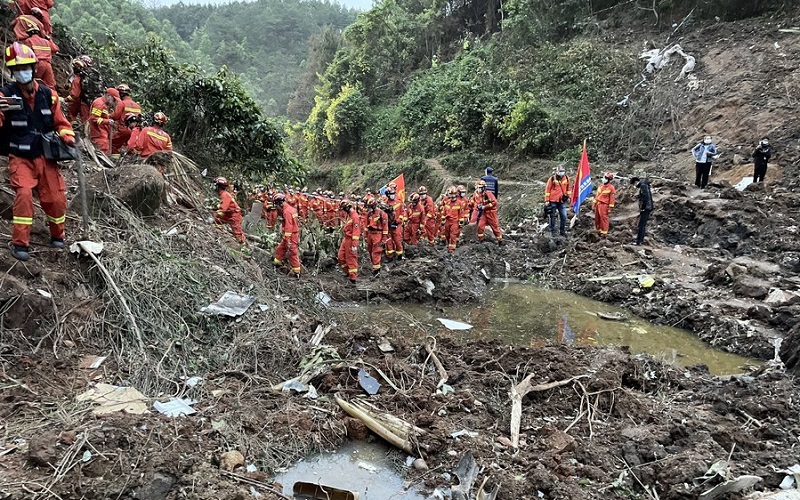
pixel 448 178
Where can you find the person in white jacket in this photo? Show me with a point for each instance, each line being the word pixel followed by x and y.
pixel 704 154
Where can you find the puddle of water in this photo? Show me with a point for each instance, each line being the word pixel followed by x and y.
pixel 364 468
pixel 522 314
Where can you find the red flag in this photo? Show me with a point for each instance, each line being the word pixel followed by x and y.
pixel 401 187
pixel 583 181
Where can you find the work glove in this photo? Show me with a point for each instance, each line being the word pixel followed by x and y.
pixel 354 249
pixel 481 207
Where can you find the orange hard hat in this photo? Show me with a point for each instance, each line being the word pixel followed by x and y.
pixel 221 181
pixel 422 190
pixel 160 118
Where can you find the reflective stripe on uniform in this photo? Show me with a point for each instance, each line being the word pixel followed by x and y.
pixel 24 221
pixel 57 220
pixel 157 136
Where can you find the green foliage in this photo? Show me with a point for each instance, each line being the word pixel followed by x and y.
pixel 345 119
pixel 529 127
pixel 532 21
pixel 123 22
pixel 266 41
pixel 336 124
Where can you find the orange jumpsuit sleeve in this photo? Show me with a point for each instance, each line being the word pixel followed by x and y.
pixel 225 202
pixel 612 196
pixel 133 141
pixel 99 111
pixel 62 125
pixel 491 201
pixel 53 47
pixel 74 89
pixel 119 111
pixel 547 189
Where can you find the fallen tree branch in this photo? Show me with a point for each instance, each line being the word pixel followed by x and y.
pixel 436 362
pixel 372 424
pixel 522 389
pixel 113 285
pixel 252 482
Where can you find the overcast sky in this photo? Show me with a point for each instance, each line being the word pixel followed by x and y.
pixel 355 4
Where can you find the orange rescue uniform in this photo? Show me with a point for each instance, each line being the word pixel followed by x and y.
pixel 26 6
pixel 348 250
pixel 452 212
pixel 123 133
pixel 378 233
pixel 556 190
pixel 414 215
pixel 603 203
pixel 44 50
pixel 100 125
pixel 27 174
pixel 22 23
pixel 431 221
pixel 394 245
pixel 153 140
pixel 290 243
pixel 484 212
pixel 228 212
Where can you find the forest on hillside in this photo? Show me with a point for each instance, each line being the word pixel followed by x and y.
pixel 264 42
pixel 533 77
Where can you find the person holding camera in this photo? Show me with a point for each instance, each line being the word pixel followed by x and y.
pixel 31 111
pixel 556 198
pixel 761 156
pixel 704 154
pixel 645 206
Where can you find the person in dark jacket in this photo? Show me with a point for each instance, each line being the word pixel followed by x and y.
pixel 761 156
pixel 645 206
pixel 492 185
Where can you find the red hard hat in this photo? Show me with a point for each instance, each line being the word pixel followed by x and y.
pixel 19 54
pixel 160 117
pixel 221 181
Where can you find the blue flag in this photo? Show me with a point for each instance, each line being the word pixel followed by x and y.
pixel 583 181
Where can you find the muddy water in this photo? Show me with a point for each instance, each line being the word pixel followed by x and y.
pixel 363 468
pixel 522 314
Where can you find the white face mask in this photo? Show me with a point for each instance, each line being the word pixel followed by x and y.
pixel 423 196
pixel 605 181
pixel 707 140
pixel 23 76
pixel 391 196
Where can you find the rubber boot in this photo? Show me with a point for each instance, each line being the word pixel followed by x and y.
pixel 57 242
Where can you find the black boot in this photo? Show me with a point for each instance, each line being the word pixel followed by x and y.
pixel 20 253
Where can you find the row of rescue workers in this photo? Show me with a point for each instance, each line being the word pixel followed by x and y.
pixel 31 111
pixel 384 220
pixel 116 122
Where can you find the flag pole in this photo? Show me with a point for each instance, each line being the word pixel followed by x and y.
pixel 575 212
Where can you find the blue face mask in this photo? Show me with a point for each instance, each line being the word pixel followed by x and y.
pixel 23 76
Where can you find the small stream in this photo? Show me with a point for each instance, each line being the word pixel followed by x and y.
pixel 522 314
